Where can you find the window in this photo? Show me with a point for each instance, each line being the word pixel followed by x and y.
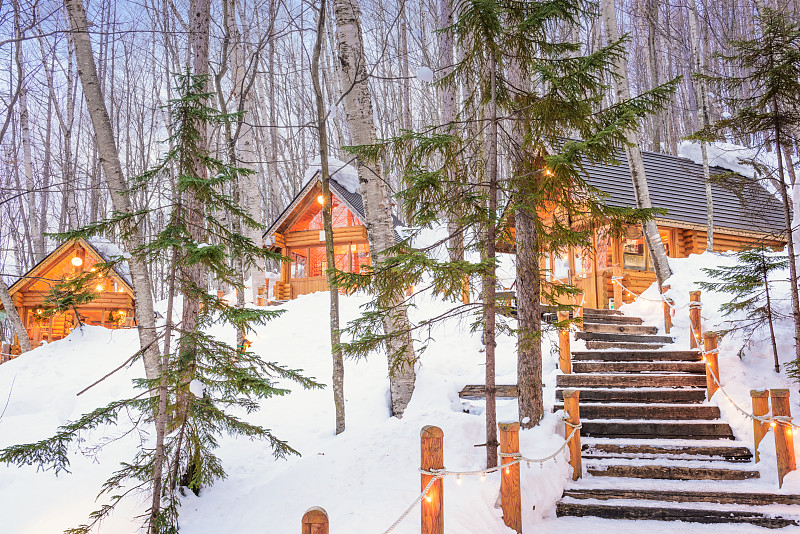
pixel 560 267
pixel 312 218
pixel 633 253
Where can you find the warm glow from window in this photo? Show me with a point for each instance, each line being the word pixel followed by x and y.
pixel 321 200
pixel 77 262
pixel 353 248
pixel 99 287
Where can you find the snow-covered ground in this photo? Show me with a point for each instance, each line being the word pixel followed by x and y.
pixel 367 476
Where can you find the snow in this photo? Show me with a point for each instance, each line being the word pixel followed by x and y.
pixel 343 173
pixel 425 74
pixel 367 476
pixel 112 252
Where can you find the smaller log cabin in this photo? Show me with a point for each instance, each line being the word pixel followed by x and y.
pixel 744 216
pixel 113 307
pixel 298 234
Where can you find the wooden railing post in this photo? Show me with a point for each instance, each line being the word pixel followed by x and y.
pixel 432 457
pixel 710 357
pixel 260 296
pixel 616 274
pixel 509 476
pixel 784 441
pixel 760 407
pixel 667 310
pixel 694 318
pixel 315 521
pixel 578 313
pixel 564 354
pixel 573 417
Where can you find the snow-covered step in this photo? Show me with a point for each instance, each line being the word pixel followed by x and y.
pixel 664 512
pixel 611 319
pixel 603 345
pixel 635 355
pixel 640 395
pixel 590 410
pixel 601 366
pixel 682 496
pixel 657 429
pixel 608 449
pixel 627 338
pixel 669 472
pixel 630 380
pixel 605 328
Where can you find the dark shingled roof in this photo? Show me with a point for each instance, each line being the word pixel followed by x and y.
pixel 677 185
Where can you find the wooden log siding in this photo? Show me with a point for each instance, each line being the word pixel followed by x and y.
pixel 341 235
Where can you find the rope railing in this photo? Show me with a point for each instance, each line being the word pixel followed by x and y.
pixel 440 474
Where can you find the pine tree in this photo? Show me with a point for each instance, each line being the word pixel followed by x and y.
pixel 71 292
pixel 214 377
pixel 766 104
pixel 748 282
pixel 546 183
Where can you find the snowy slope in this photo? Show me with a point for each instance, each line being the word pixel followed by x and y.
pixel 366 477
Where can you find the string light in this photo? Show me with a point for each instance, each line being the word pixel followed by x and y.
pixel 483 477
pixel 508 470
pixel 428 498
pixel 773 424
pixel 458 479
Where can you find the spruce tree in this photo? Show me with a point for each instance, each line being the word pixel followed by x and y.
pixel 214 378
pixel 561 97
pixel 748 282
pixel 765 100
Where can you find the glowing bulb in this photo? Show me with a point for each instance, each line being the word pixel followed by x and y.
pixel 428 498
pixel 548 172
pixel 77 262
pixel 321 199
pixel 458 479
pixel 99 287
pixel 483 477
pixel 508 470
pixel 773 424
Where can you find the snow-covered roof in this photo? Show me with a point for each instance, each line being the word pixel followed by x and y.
pixel 110 251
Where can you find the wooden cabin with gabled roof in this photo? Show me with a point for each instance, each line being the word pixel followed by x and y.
pixel 298 234
pixel 745 216
pixel 113 308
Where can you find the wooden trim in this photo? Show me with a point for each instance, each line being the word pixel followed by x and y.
pixel 663 223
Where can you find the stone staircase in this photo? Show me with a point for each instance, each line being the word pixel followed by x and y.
pixel 644 422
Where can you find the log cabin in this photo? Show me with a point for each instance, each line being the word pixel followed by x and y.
pixel 113 307
pixel 743 217
pixel 298 234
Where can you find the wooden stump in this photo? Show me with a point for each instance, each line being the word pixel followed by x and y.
pixel 784 441
pixel 711 359
pixel 564 354
pixel 760 407
pixel 694 318
pixel 432 457
pixel 509 476
pixel 572 412
pixel 315 521
pixel 667 311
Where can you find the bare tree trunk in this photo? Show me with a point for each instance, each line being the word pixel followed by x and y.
pixel 380 229
pixel 489 279
pixel 322 130
pixel 633 152
pixel 403 29
pixel 13 316
pixel 703 119
pixel 652 56
pixel 109 159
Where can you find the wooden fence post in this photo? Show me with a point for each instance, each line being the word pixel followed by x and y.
pixel 432 457
pixel 711 359
pixel 220 294
pixel 509 476
pixel 572 412
pixel 694 318
pixel 784 441
pixel 315 521
pixel 760 407
pixel 616 277
pixel 564 355
pixel 667 310
pixel 260 296
pixel 578 313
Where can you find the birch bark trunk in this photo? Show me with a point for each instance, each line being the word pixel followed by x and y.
pixel 379 225
pixel 633 152
pixel 702 117
pixel 13 316
pixel 109 160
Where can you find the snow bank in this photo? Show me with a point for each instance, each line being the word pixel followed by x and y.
pixel 345 174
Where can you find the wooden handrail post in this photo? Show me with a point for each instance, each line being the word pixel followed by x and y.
pixel 616 273
pixel 432 457
pixel 578 314
pixel 710 357
pixel 667 311
pixel 564 354
pixel 784 441
pixel 315 521
pixel 573 417
pixel 760 407
pixel 509 476
pixel 694 318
